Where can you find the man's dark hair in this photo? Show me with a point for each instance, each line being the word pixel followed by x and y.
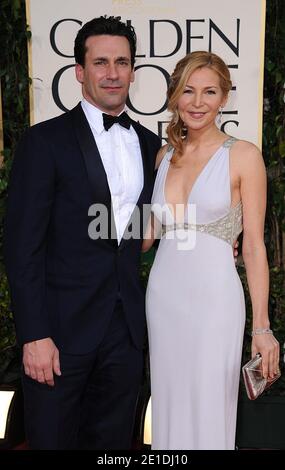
pixel 104 25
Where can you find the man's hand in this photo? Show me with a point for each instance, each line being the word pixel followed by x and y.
pixel 236 250
pixel 41 360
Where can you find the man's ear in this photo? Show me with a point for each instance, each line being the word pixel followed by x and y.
pixel 79 72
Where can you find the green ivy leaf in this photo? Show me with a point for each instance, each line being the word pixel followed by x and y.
pixel 282 149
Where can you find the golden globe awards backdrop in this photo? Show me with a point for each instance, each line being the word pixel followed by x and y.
pixel 166 30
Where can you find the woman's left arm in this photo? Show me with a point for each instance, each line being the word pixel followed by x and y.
pixel 253 195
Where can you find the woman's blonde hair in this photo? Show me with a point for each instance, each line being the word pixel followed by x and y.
pixel 184 68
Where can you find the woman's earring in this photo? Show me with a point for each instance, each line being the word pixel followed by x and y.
pixel 220 114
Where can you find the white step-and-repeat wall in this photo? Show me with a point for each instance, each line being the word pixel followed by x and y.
pixel 166 30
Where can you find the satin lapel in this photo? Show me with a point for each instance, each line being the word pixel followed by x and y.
pixel 94 166
pixel 147 170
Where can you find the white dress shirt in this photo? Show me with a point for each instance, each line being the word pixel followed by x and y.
pixel 120 152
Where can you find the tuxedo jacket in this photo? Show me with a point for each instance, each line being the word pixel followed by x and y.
pixel 64 285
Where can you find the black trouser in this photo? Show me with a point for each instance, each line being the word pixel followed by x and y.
pixel 92 404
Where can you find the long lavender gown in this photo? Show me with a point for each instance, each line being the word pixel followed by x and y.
pixel 196 314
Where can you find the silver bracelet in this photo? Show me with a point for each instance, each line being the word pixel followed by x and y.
pixel 261 331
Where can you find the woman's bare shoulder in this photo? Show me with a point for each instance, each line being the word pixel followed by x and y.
pixel 245 146
pixel 246 153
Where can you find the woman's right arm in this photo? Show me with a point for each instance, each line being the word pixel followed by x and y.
pixel 153 226
pixel 150 235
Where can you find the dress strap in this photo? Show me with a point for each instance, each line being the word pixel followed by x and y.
pixel 229 142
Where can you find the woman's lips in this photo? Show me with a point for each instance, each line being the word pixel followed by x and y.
pixel 197 115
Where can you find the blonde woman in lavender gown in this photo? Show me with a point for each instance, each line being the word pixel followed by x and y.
pixel 209 187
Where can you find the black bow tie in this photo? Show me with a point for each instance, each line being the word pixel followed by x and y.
pixel 123 120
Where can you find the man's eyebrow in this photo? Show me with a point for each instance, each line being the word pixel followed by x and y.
pixel 127 59
pixel 103 58
pixel 99 58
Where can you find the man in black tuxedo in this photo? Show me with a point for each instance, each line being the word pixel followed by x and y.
pixel 77 299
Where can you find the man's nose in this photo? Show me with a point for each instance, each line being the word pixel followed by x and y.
pixel 112 72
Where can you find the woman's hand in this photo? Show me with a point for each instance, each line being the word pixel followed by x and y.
pixel 268 346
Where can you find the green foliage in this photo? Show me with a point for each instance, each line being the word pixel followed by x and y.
pixel 274 154
pixel 14 72
pixel 7 336
pixel 14 88
pixel 146 262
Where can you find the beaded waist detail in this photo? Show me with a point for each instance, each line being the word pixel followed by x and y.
pixel 226 228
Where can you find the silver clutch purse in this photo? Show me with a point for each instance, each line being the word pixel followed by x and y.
pixel 254 382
